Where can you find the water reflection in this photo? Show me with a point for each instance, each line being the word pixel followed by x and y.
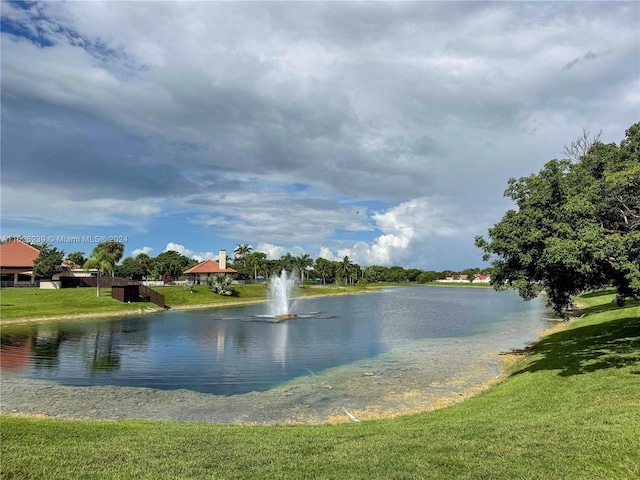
pixel 230 351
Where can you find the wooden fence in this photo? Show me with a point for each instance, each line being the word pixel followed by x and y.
pixel 109 282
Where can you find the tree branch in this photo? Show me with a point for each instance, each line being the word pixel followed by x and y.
pixel 580 147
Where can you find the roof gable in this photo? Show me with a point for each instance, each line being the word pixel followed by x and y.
pixel 209 266
pixel 16 253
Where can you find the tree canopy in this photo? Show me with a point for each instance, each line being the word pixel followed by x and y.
pixel 112 247
pixel 48 262
pixel 576 227
pixel 171 263
pixel 77 257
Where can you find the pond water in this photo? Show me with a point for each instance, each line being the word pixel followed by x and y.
pixel 235 350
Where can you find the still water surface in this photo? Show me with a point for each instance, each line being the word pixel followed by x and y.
pixel 227 351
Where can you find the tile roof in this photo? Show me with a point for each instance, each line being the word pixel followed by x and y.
pixel 209 266
pixel 15 253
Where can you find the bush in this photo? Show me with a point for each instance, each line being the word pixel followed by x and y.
pixel 221 284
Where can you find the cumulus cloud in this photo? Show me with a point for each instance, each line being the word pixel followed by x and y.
pixel 406 228
pixel 275 252
pixel 138 251
pixel 181 249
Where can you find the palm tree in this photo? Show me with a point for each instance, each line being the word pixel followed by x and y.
pixel 324 269
pixel 303 262
pixel 115 249
pixel 258 260
pixel 357 272
pixel 103 261
pixel 345 268
pixel 241 252
pixel 288 262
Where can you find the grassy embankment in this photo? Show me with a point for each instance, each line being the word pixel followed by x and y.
pixel 18 303
pixel 570 409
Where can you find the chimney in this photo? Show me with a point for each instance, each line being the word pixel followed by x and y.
pixel 222 259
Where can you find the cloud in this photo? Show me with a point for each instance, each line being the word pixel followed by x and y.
pixel 138 251
pixel 590 55
pixel 54 204
pixel 274 252
pixel 406 229
pixel 182 250
pixel 287 118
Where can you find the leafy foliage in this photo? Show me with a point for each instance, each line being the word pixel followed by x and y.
pixel 172 263
pixel 133 268
pixel 221 284
pixel 577 226
pixel 77 257
pixel 114 248
pixel 48 262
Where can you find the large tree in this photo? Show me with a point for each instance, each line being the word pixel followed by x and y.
pixel 241 252
pixel 257 261
pixel 77 257
pixel 345 267
pixel 325 269
pixel 48 262
pixel 303 262
pixel 135 268
pixel 171 263
pixel 116 249
pixel 577 226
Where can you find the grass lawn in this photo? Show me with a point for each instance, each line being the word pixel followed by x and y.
pixel 569 410
pixel 33 302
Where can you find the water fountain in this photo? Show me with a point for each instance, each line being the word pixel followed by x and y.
pixel 280 288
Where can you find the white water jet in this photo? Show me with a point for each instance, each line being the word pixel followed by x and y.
pixel 280 288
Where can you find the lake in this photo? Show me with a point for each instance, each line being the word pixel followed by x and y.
pixel 235 350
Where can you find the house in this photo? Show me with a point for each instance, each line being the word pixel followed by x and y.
pixel 70 269
pixel 455 278
pixel 482 278
pixel 16 264
pixel 16 267
pixel 478 277
pixel 207 269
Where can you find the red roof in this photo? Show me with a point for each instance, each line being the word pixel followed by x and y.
pixel 15 253
pixel 209 266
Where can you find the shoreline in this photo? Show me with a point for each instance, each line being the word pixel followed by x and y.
pixel 151 310
pixel 407 389
pixel 202 306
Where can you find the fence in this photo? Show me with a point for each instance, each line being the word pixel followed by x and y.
pixel 19 284
pixel 109 282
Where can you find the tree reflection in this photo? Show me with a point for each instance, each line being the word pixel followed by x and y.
pixel 46 346
pixel 105 356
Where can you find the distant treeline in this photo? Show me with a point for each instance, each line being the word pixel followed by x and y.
pixel 170 265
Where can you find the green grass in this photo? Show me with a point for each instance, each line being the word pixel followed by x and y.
pixel 17 303
pixel 569 410
pixel 177 296
pixel 34 302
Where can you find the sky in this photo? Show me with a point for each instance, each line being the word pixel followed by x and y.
pixel 384 131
